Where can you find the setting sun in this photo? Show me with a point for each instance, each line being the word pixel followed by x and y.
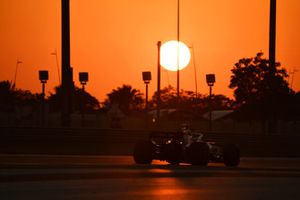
pixel 169 55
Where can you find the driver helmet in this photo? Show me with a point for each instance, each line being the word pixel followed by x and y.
pixel 186 129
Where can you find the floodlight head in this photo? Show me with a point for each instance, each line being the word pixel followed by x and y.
pixel 146 77
pixel 83 77
pixel 43 76
pixel 210 79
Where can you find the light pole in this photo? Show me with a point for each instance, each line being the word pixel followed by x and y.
pixel 272 124
pixel 178 39
pixel 195 70
pixel 272 36
pixel 158 83
pixel 57 65
pixel 178 61
pixel 293 74
pixel 43 77
pixel 210 80
pixel 83 78
pixel 16 72
pixel 66 70
pixel 146 79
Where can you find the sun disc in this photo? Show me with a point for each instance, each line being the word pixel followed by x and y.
pixel 169 52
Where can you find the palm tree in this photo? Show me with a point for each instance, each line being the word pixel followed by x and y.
pixel 11 97
pixel 126 97
pixel 91 104
pixel 6 96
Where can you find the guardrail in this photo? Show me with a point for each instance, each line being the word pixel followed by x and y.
pixel 116 141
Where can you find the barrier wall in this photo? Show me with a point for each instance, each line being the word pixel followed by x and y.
pixel 33 140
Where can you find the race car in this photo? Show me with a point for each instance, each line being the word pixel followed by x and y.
pixel 184 146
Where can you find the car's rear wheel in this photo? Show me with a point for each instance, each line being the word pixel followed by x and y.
pixel 198 154
pixel 231 155
pixel 143 152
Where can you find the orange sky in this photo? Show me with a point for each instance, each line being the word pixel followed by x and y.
pixel 115 40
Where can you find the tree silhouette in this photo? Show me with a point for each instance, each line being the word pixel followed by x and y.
pixel 9 97
pixel 90 103
pixel 253 80
pixel 190 101
pixel 126 97
pixel 168 97
pixel 219 102
pixel 260 91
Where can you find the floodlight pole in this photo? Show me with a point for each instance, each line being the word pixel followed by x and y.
pixel 210 108
pixel 82 103
pixel 43 103
pixel 146 79
pixel 43 77
pixel 210 80
pixel 83 79
pixel 146 106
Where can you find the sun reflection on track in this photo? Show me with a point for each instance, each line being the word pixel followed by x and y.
pixel 168 188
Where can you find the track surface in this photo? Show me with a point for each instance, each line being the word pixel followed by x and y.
pixel 117 177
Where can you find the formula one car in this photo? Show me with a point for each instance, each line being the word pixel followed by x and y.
pixel 185 146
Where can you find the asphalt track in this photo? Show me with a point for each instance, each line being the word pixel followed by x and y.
pixel 117 177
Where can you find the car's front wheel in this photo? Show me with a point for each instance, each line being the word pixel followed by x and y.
pixel 143 152
pixel 231 155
